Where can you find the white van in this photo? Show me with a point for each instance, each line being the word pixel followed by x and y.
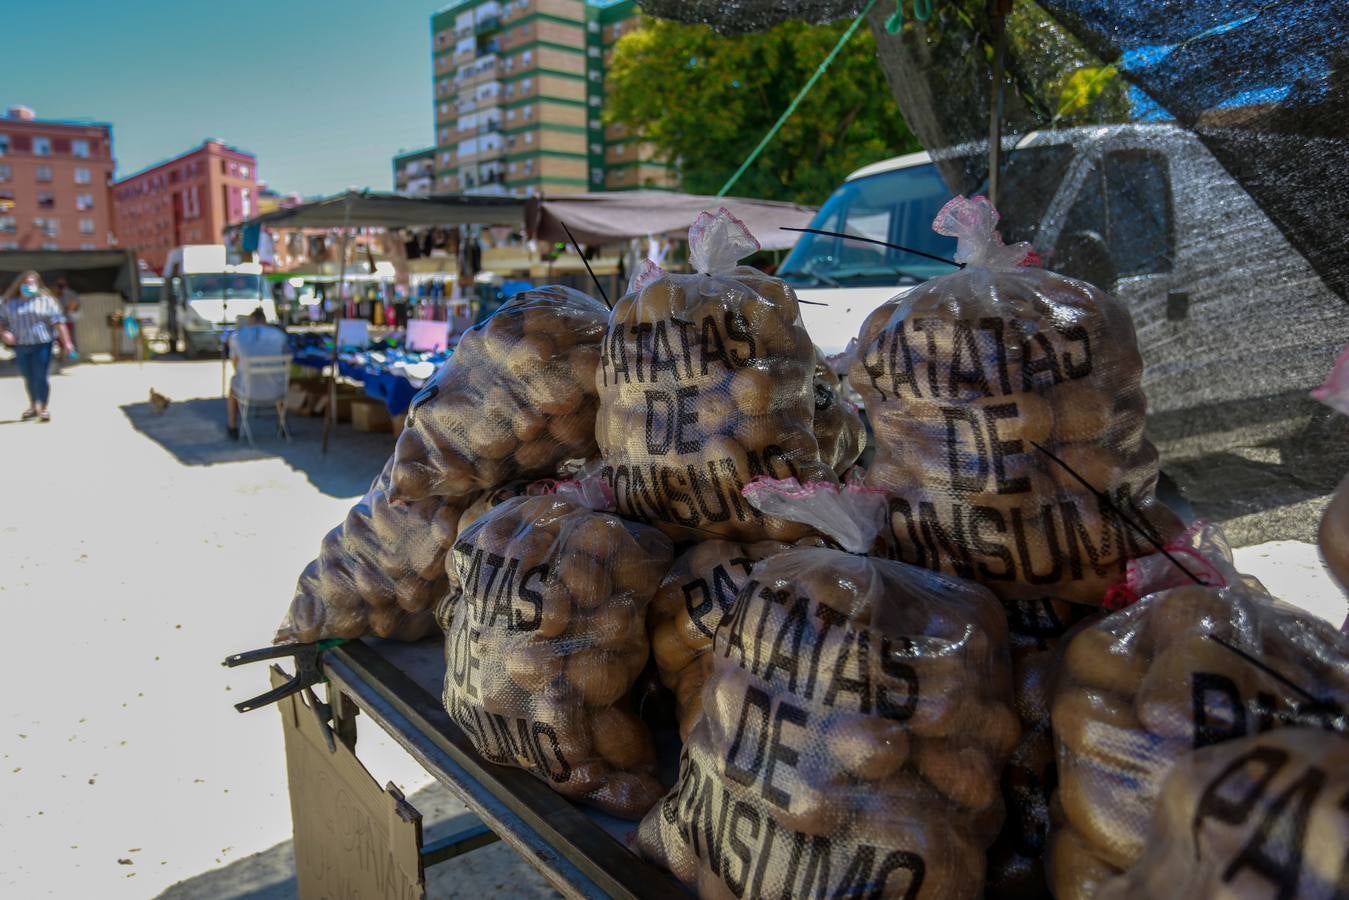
pixel 1234 324
pixel 204 294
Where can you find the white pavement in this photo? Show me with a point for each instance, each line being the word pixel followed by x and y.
pixel 136 552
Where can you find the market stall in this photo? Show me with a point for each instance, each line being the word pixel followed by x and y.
pixel 631 586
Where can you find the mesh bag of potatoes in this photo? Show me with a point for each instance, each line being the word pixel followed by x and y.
pixel 515 399
pixel 1035 629
pixel 1333 535
pixel 705 381
pixel 545 640
pixel 963 376
pixel 380 572
pixel 839 429
pixel 1259 817
pixel 1187 666
pixel 855 720
pixel 697 592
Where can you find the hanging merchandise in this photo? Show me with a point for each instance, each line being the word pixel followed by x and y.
pixel 855 719
pixel 547 638
pixel 705 383
pixel 380 572
pixel 1008 418
pixel 1189 665
pixel 515 399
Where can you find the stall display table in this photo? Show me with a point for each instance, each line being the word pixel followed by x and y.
pixel 582 852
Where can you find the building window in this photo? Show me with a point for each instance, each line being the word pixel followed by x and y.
pixel 510 115
pixel 529 137
pixel 594 52
pixel 6 173
pixel 8 224
pixel 80 148
pixel 595 75
pixel 4 144
pixel 511 168
pixel 49 227
pixel 46 200
pixel 526 84
pixel 44 173
pixel 86 226
pixel 528 113
pixel 84 202
pixel 82 176
pixel 42 146
pixel 88 246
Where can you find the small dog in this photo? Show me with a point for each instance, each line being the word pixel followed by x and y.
pixel 159 402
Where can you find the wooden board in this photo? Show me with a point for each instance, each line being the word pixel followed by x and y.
pixel 352 839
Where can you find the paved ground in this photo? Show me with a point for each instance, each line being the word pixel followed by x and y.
pixel 137 552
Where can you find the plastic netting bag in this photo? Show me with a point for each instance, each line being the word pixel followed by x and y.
pixel 1333 534
pixel 705 383
pixel 1015 861
pixel 1262 816
pixel 1187 666
pixel 515 399
pixel 963 376
pixel 485 501
pixel 839 429
pixel 696 594
pixel 855 720
pixel 381 572
pixel 545 641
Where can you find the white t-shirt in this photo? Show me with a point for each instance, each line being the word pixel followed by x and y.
pixel 260 340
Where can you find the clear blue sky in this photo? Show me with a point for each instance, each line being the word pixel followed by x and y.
pixel 324 93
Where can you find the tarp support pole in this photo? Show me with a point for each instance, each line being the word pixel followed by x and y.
pixel 330 419
pixel 997 18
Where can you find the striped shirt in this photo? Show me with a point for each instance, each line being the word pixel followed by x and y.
pixel 33 320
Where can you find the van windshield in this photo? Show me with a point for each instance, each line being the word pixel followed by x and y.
pixel 898 207
pixel 224 286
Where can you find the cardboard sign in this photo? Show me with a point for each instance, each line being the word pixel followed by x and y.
pixel 353 333
pixel 351 838
pixel 427 334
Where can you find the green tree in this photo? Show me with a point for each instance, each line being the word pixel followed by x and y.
pixel 705 100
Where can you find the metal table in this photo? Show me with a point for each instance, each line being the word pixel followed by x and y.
pixel 581 851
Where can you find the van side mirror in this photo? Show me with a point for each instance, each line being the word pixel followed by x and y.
pixel 1084 255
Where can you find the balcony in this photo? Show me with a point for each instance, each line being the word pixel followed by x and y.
pixel 487 25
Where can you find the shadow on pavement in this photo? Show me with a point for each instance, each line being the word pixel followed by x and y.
pixel 194 432
pixel 491 871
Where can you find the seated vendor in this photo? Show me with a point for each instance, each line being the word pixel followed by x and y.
pixel 257 338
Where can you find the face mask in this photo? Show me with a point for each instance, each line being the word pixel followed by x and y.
pixel 28 290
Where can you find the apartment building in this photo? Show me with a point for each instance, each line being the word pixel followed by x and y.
pixel 414 172
pixel 519 95
pixel 628 164
pixel 186 200
pixel 54 178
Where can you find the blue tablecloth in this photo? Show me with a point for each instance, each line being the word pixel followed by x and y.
pixel 392 387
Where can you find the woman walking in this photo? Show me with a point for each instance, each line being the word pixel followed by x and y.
pixel 30 319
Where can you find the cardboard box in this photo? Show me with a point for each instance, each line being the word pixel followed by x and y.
pixel 368 414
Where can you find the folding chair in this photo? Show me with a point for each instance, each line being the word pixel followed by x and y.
pixel 262 381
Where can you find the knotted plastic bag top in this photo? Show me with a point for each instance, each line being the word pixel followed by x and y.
pixel 718 241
